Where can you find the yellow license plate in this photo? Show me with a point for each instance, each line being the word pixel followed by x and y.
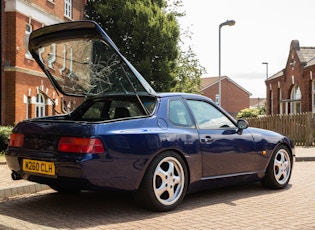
pixel 41 167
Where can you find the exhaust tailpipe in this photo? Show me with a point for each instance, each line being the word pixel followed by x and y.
pixel 15 176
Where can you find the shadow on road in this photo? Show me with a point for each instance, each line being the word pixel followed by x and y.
pixel 92 209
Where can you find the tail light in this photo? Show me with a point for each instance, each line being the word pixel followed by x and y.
pixel 80 145
pixel 16 140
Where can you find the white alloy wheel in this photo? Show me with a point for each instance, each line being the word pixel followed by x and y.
pixel 282 166
pixel 164 184
pixel 168 181
pixel 279 170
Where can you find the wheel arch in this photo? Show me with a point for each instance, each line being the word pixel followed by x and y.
pixel 275 147
pixel 289 146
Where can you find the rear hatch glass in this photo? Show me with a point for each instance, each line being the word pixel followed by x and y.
pixel 81 60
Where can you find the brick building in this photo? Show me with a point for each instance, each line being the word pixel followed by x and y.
pixel 234 97
pixel 292 90
pixel 25 91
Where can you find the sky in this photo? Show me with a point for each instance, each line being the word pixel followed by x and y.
pixel 262 33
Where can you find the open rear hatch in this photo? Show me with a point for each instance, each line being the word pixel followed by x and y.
pixel 81 60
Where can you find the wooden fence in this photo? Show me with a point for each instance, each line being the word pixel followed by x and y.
pixel 300 128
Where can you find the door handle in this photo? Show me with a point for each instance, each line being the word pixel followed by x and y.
pixel 206 139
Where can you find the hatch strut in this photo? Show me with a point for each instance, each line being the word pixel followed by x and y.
pixel 145 110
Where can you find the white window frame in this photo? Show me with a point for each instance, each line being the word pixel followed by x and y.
pixel 313 96
pixel 68 9
pixel 28 31
pixel 295 96
pixel 52 56
pixel 217 99
pixel 40 105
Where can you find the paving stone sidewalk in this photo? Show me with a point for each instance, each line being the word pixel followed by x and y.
pixel 10 188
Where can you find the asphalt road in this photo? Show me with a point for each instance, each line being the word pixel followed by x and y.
pixel 239 207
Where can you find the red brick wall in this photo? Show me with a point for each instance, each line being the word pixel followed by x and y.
pixel 234 99
pixel 211 91
pixel 21 75
pixel 8 103
pixel 56 7
pixel 77 9
pixel 301 78
pixel 9 38
pixel 307 89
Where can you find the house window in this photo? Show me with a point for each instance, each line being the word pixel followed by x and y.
pixel 217 99
pixel 68 8
pixel 28 31
pixel 295 98
pixel 313 93
pixel 40 105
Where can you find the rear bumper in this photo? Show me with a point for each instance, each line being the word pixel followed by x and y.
pixel 85 174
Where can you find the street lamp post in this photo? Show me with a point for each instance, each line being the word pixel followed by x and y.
pixel 266 63
pixel 227 23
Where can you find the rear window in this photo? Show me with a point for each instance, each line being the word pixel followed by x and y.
pixel 109 109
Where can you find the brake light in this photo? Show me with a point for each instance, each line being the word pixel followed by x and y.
pixel 16 140
pixel 80 145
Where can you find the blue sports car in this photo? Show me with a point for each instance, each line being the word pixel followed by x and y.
pixel 125 136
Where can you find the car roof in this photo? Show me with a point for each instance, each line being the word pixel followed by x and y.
pixel 184 95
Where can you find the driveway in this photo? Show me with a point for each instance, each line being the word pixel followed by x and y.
pixel 238 207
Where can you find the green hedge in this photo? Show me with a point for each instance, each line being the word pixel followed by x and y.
pixel 5 132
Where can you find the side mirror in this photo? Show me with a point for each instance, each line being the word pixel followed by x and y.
pixel 242 124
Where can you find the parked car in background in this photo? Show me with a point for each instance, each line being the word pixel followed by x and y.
pixel 125 136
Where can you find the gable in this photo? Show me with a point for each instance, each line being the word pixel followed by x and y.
pixel 303 55
pixel 207 82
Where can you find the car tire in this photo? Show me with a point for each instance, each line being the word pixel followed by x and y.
pixel 165 183
pixel 279 170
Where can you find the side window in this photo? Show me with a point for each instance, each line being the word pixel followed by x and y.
pixel 209 117
pixel 178 114
pixel 95 112
pixel 121 109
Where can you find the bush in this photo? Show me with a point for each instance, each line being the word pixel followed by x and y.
pixel 5 132
pixel 251 112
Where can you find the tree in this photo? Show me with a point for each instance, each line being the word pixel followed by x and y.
pixel 146 34
pixel 188 72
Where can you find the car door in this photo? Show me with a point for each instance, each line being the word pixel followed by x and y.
pixel 226 150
